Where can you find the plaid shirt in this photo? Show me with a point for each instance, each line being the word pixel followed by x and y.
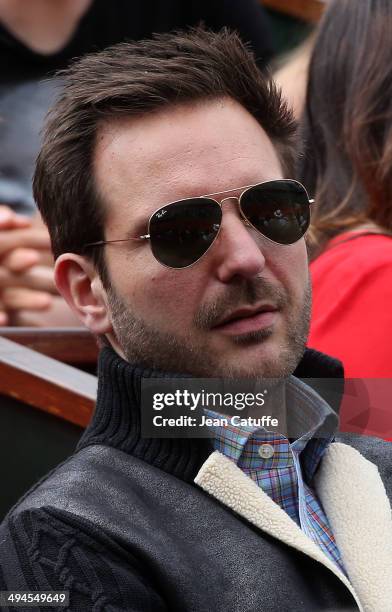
pixel 287 475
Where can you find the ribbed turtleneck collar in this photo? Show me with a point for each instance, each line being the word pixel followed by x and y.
pixel 117 419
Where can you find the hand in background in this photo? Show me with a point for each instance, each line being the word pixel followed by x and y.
pixel 28 295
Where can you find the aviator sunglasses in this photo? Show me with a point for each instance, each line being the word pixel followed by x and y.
pixel 181 232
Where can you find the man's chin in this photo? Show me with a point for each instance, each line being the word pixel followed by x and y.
pixel 258 355
pixel 253 338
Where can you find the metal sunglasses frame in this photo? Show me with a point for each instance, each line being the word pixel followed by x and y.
pixel 208 196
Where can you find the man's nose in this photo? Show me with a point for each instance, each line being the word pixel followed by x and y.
pixel 238 248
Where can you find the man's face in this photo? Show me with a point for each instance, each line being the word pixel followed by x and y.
pixel 243 309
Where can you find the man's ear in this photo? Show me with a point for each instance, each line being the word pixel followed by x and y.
pixel 78 282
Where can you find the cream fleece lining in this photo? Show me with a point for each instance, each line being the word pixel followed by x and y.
pixel 355 501
pixel 351 490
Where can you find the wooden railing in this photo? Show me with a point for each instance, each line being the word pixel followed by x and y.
pixel 70 345
pixel 308 10
pixel 43 381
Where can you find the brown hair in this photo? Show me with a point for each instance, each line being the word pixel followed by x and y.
pixel 133 79
pixel 347 122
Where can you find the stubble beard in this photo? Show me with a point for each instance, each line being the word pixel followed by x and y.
pixel 181 353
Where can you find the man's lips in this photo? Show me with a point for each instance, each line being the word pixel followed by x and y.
pixel 247 320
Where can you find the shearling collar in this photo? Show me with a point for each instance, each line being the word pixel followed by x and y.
pixel 354 499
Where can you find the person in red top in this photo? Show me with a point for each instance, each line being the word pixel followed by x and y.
pixel 352 303
pixel 348 166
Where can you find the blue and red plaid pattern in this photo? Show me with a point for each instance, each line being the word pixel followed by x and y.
pixel 282 475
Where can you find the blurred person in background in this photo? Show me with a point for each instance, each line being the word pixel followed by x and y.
pixel 37 38
pixel 347 126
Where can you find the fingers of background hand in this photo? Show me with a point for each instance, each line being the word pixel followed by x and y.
pixel 10 220
pixel 21 299
pixel 57 315
pixel 42 278
pixel 46 258
pixel 3 317
pixel 21 259
pixel 39 278
pixel 35 238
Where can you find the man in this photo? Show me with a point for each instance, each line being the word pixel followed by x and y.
pixel 172 283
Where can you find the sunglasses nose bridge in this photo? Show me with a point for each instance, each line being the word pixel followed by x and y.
pixel 227 199
pixel 238 200
pixel 224 200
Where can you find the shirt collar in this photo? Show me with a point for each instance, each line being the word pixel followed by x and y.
pixel 311 425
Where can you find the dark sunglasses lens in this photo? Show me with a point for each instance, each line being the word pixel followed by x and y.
pixel 182 232
pixel 278 209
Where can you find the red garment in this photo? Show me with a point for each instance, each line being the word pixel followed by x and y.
pixel 352 303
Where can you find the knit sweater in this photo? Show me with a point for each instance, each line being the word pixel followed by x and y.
pixel 137 524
